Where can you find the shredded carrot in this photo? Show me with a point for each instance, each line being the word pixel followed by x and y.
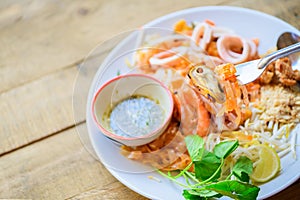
pixel 252 86
pixel 210 22
pixel 187 32
pixel 226 72
pixel 256 41
pixel 246 114
pixel 212 49
pixel 237 135
pixel 253 91
pixel 181 26
pixel 230 97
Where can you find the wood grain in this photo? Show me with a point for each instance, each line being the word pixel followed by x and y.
pixel 290 193
pixel 48 105
pixel 112 191
pixel 40 37
pixel 58 168
pixel 36 110
pixel 287 10
pixel 43 43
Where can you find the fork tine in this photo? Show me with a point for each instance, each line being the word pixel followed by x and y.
pixel 248 72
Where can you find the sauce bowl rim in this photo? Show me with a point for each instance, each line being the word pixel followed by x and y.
pixel 148 135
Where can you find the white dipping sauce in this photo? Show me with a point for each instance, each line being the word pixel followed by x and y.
pixel 136 116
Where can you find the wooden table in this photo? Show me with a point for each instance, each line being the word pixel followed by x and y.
pixel 42 45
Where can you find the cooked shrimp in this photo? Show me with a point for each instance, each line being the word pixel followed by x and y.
pixel 203 124
pixel 177 108
pixel 194 117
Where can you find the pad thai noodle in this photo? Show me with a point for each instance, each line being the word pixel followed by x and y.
pixel 197 63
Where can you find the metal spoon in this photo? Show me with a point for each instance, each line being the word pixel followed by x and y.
pixel 287 39
pixel 250 71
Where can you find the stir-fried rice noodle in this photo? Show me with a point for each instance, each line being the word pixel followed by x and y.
pixel 266 111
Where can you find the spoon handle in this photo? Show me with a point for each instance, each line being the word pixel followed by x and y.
pixel 278 54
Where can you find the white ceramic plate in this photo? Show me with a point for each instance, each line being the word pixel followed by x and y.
pixel 245 22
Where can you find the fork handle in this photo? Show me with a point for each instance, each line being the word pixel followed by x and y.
pixel 278 54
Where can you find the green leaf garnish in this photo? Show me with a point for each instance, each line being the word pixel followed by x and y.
pixel 201 194
pixel 235 189
pixel 195 146
pixel 225 148
pixel 243 168
pixel 209 167
pixel 204 182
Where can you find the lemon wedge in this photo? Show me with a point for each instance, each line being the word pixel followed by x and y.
pixel 267 166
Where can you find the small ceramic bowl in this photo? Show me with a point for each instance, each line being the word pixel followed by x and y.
pixel 125 87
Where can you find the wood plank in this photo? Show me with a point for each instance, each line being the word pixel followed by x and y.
pixel 36 110
pixel 111 191
pixel 44 36
pixel 44 107
pixel 290 193
pixel 58 168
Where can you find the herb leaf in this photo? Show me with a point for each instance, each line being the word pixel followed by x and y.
pixel 209 167
pixel 225 148
pixel 191 195
pixel 201 194
pixel 235 189
pixel 195 146
pixel 207 171
pixel 243 168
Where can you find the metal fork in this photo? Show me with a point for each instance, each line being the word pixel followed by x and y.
pixel 250 71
